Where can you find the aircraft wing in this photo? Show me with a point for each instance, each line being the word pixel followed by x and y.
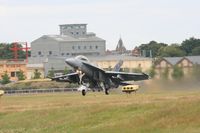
pixel 93 67
pixel 71 77
pixel 123 76
pixel 120 76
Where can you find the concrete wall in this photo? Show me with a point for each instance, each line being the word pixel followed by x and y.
pixel 31 70
pixel 44 45
pixel 82 48
pixel 144 65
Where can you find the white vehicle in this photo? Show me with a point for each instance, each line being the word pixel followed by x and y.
pixel 1 93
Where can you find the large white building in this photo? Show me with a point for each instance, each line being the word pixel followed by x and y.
pixel 73 40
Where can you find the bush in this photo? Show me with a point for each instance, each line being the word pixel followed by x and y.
pixel 5 78
pixel 20 75
pixel 152 72
pixel 37 74
pixel 51 73
pixel 66 71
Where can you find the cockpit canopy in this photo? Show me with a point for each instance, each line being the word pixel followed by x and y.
pixel 83 58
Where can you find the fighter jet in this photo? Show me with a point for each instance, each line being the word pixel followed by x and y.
pixel 95 78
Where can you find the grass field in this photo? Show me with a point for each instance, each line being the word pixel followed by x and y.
pixel 146 112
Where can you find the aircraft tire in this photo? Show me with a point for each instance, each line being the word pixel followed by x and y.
pixel 106 91
pixel 83 92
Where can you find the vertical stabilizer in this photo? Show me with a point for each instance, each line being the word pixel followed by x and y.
pixel 118 66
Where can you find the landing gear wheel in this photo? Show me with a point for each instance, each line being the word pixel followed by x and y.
pixel 83 92
pixel 106 91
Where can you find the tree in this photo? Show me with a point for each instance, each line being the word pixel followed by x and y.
pixel 151 48
pixel 5 78
pixel 51 73
pixel 37 74
pixel 6 53
pixel 196 51
pixel 171 51
pixel 20 75
pixel 189 44
pixel 177 73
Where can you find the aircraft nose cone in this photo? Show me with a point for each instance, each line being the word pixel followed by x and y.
pixel 69 61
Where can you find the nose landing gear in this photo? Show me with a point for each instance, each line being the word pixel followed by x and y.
pixel 83 92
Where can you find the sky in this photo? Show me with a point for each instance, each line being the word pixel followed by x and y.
pixel 135 21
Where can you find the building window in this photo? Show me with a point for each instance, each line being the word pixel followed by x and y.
pixel 90 47
pixel 39 53
pixel 79 47
pixel 67 53
pixel 96 47
pixel 50 52
pixel 73 47
pixel 12 74
pixel 76 27
pixel 85 47
pixel 62 54
pixel 77 33
pixel 72 33
pixel 82 27
pixel 83 33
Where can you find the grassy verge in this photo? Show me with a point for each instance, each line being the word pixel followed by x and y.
pixel 152 112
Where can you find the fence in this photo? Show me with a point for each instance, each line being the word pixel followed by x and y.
pixel 35 91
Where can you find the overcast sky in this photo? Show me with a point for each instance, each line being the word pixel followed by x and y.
pixel 136 21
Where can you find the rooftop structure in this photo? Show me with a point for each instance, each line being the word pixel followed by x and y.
pixel 173 60
pixel 194 59
pixel 136 52
pixel 120 47
pixel 75 30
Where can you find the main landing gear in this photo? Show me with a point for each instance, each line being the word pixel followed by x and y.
pixel 107 91
pixel 105 88
pixel 83 92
